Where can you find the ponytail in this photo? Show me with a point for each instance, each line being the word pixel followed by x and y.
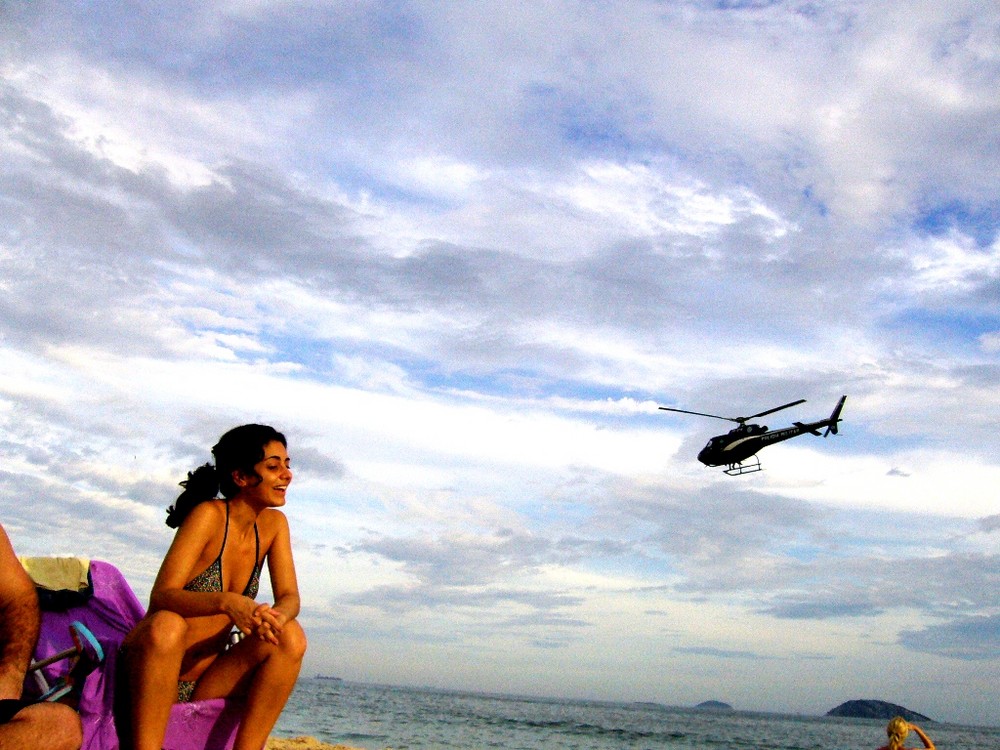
pixel 897 729
pixel 202 484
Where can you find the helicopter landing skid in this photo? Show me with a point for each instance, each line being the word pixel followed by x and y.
pixel 743 467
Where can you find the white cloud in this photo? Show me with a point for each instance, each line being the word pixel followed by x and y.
pixel 990 342
pixel 440 176
pixel 920 481
pixel 952 262
pixel 640 202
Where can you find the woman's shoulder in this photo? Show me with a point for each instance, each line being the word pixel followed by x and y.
pixel 272 524
pixel 207 512
pixel 272 519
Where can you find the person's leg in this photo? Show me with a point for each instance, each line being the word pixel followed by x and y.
pixel 264 673
pixel 154 651
pixel 52 726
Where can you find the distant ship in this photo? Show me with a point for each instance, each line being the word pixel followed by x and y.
pixel 329 677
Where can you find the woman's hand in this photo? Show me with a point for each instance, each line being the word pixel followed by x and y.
pixel 242 610
pixel 271 623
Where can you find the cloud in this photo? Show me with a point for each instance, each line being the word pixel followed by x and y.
pixel 818 610
pixel 968 638
pixel 461 559
pixel 720 653
pixel 316 464
pixel 990 524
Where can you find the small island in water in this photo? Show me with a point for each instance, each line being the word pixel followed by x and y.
pixel 875 709
pixel 714 706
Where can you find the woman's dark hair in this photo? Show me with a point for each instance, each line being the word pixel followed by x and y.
pixel 240 449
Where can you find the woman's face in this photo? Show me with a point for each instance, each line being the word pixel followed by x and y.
pixel 275 475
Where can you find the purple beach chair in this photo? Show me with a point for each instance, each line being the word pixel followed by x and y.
pixel 107 613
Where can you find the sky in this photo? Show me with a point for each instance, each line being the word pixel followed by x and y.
pixel 459 253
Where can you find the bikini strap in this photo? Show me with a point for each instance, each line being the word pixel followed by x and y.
pixel 225 536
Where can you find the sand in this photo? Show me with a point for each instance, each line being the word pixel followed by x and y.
pixel 302 743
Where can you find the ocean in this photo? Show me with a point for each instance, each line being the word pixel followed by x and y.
pixel 375 717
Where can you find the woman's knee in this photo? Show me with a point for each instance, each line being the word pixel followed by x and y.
pixel 293 641
pixel 161 631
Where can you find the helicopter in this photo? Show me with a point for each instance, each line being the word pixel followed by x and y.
pixel 737 449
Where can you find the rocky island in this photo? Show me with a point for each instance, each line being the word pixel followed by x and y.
pixel 714 706
pixel 875 709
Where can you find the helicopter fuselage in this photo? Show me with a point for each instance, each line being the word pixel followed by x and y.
pixel 739 444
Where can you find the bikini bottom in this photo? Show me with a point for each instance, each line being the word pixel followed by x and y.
pixel 185 689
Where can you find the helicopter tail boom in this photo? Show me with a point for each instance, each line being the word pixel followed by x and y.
pixel 807 428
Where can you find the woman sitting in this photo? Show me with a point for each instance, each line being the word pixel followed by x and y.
pixel 207 585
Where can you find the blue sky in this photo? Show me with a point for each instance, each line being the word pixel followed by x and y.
pixel 459 253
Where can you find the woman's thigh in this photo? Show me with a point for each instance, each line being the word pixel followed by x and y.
pixel 232 671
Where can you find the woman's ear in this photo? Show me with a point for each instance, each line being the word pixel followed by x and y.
pixel 242 479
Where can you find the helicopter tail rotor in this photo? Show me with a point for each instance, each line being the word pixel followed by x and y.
pixel 835 417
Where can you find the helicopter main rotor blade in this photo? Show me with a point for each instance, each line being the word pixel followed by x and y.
pixel 777 408
pixel 699 414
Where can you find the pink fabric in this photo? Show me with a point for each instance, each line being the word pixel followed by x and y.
pixel 203 725
pixel 110 614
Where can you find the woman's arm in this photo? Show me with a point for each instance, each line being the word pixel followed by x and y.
pixel 284 583
pixel 923 737
pixel 281 567
pixel 190 542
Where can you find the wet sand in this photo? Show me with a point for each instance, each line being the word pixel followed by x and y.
pixel 302 743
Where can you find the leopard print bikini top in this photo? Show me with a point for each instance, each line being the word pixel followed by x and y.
pixel 210 579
